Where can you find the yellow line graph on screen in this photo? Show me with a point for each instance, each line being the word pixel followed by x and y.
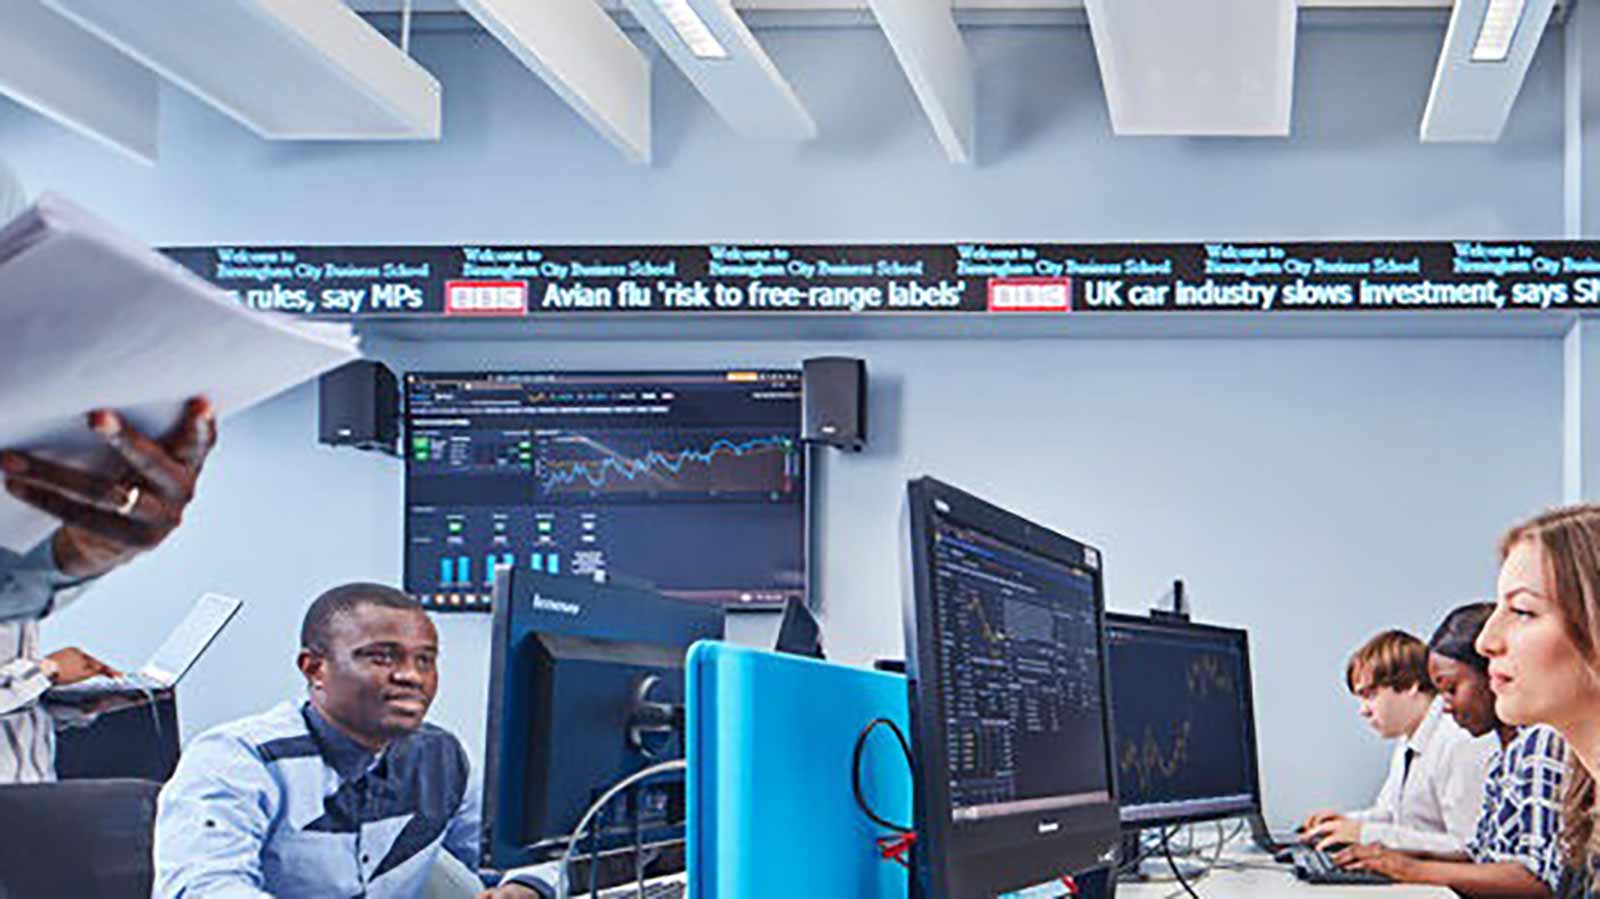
pixel 990 634
pixel 1151 762
pixel 1209 675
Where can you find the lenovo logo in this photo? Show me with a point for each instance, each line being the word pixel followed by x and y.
pixel 1049 827
pixel 551 605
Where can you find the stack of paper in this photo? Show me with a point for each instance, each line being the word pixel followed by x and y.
pixel 90 318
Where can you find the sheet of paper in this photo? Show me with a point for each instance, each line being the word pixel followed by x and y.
pixel 92 319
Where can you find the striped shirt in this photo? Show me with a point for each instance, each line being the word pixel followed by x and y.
pixel 30 587
pixel 1521 819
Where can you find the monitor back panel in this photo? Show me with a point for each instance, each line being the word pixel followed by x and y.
pixel 771 812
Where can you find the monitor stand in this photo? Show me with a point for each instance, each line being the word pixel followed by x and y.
pixel 1154 866
pixel 1263 838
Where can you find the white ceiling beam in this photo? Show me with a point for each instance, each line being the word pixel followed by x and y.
pixel 742 85
pixel 62 72
pixel 928 44
pixel 1186 68
pixel 1470 99
pixel 961 6
pixel 1581 122
pixel 585 58
pixel 286 69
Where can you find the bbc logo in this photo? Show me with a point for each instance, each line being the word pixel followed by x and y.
pixel 1030 294
pixel 486 298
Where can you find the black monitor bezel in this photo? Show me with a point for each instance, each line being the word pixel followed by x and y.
pixel 500 840
pixel 983 858
pixel 807 513
pixel 1242 636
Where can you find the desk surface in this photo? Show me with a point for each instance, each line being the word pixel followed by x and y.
pixel 1262 879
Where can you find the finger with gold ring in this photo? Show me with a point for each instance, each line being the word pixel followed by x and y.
pixel 130 498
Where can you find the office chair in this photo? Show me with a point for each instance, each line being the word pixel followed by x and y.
pixel 87 839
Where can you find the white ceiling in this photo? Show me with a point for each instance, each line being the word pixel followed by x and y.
pixel 1160 80
pixel 863 6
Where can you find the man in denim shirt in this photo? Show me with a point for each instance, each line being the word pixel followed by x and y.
pixel 347 794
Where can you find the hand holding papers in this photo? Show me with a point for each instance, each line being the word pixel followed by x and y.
pixel 90 319
pixel 109 517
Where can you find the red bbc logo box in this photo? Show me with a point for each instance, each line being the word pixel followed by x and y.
pixel 509 298
pixel 1030 294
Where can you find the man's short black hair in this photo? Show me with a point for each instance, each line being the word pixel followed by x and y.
pixel 342 600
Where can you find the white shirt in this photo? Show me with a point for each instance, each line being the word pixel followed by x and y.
pixel 28 726
pixel 1434 806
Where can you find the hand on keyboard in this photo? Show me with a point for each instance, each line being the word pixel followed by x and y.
pixel 1319 867
pixel 1371 858
pixel 72 665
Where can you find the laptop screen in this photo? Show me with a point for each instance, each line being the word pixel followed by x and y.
pixel 184 645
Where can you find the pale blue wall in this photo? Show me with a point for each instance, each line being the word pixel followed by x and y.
pixel 1313 490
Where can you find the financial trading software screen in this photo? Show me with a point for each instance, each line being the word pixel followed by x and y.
pixel 692 482
pixel 1020 677
pixel 1180 706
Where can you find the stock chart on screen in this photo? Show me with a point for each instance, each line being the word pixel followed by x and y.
pixel 690 482
pixel 1183 714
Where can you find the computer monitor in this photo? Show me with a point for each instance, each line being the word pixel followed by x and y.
pixel 586 687
pixel 1012 731
pixel 799 633
pixel 1184 721
pixel 693 482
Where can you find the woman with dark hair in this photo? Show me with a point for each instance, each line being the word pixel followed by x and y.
pixel 1511 853
pixel 1461 674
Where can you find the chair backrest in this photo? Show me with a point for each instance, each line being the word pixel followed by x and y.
pixel 85 839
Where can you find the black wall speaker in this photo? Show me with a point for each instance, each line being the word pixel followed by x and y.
pixel 359 405
pixel 835 389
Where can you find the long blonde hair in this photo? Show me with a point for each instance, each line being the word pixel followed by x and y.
pixel 1570 539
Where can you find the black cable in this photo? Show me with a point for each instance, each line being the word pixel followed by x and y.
pixel 855 771
pixel 1167 849
pixel 1148 848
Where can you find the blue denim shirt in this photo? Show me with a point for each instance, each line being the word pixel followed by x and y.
pixel 282 805
pixel 29 583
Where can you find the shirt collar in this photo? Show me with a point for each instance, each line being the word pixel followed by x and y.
pixel 1423 735
pixel 343 754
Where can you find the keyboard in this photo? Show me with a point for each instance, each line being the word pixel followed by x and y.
pixel 100 685
pixel 1312 866
pixel 663 888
